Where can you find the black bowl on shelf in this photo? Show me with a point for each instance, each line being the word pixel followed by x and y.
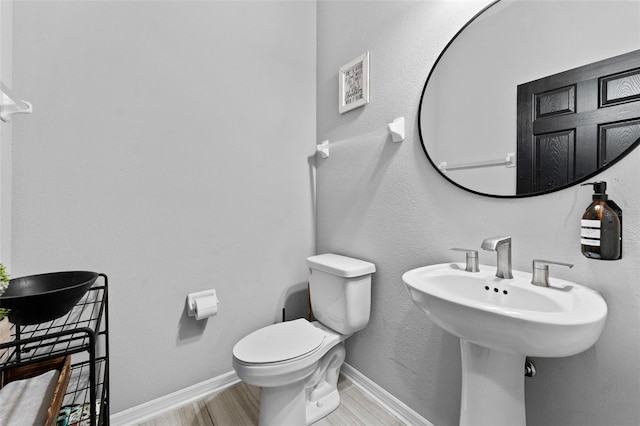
pixel 45 297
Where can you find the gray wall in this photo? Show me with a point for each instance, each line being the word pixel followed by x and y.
pixel 384 203
pixel 168 148
pixel 6 72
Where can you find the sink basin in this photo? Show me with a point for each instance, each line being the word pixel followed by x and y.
pixel 500 322
pixel 509 315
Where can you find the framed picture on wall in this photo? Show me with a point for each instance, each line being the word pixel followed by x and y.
pixel 353 84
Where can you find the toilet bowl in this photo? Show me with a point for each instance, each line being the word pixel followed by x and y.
pixel 297 363
pixel 298 372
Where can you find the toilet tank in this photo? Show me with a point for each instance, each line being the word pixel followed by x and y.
pixel 340 291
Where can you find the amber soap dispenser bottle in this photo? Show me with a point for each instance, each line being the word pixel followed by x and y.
pixel 601 226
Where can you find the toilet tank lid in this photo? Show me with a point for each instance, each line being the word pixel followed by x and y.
pixel 341 266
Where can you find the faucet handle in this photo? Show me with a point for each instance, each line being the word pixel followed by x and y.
pixel 541 271
pixel 472 259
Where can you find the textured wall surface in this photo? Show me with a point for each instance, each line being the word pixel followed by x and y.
pixel 384 203
pixel 6 72
pixel 169 149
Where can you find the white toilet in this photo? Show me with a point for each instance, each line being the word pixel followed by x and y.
pixel 296 363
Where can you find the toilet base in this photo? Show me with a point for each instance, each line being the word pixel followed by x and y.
pixel 283 405
pixel 287 405
pixel 305 401
pixel 322 386
pixel 322 407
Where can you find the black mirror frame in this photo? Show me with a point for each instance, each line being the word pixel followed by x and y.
pixel 532 194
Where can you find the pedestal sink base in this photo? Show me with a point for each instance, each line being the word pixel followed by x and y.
pixel 492 387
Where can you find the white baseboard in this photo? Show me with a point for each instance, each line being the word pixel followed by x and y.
pixel 144 412
pixel 392 404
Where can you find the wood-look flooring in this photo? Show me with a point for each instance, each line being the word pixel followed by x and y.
pixel 238 405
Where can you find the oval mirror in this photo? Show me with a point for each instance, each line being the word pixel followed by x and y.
pixel 532 96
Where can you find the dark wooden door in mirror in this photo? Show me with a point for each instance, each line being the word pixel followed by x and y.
pixel 573 123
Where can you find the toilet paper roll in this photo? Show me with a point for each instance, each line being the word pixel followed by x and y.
pixel 206 307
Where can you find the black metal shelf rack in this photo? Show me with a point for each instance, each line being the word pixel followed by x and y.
pixel 82 333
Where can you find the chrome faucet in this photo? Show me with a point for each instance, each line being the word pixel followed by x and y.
pixel 501 245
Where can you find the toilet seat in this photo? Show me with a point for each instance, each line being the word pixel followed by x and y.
pixel 275 343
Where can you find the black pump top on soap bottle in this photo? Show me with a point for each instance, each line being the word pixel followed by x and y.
pixel 599 190
pixel 601 235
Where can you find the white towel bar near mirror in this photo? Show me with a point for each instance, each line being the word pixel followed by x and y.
pixel 508 161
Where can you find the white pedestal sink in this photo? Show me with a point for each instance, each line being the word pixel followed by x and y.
pixel 500 322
